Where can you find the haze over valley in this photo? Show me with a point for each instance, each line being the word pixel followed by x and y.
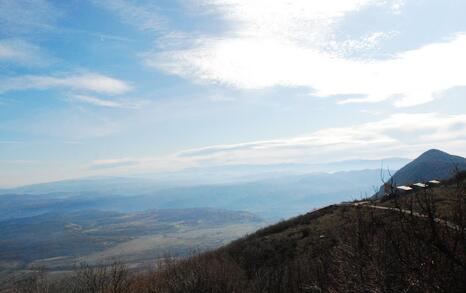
pixel 141 219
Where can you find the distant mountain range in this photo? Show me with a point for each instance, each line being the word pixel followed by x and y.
pixel 229 174
pixel 273 198
pixel 274 192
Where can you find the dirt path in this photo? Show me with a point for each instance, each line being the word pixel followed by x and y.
pixel 409 212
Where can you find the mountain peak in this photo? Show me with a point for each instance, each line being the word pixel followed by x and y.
pixel 430 165
pixel 433 164
pixel 435 155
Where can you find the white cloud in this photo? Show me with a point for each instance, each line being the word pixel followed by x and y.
pixel 161 163
pixel 304 22
pixel 292 44
pixel 123 104
pixel 21 52
pixel 8 52
pixel 92 82
pixel 404 134
pixel 413 77
pixel 113 163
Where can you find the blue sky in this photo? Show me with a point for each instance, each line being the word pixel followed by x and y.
pixel 101 87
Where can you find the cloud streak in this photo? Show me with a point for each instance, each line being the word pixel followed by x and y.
pixel 106 103
pixel 145 16
pixel 399 129
pixel 113 163
pixel 23 16
pixel 16 51
pixel 404 134
pixel 92 82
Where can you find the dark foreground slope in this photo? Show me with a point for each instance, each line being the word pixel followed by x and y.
pixel 341 248
pixel 396 245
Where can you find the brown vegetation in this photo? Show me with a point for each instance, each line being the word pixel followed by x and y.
pixel 341 248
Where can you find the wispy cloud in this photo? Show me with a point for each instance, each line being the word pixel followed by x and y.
pixel 92 82
pixel 404 134
pixel 96 35
pixel 113 163
pixel 402 129
pixel 24 16
pixel 16 51
pixel 96 101
pixel 155 163
pixel 144 15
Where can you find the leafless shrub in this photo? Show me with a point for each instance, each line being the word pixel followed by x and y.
pixel 405 248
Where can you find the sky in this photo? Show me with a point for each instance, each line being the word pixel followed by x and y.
pixel 116 87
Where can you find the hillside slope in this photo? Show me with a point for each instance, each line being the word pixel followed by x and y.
pixel 354 247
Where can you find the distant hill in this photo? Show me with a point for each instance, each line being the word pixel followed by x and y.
pixel 273 198
pixel 102 185
pixel 229 174
pixel 433 164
